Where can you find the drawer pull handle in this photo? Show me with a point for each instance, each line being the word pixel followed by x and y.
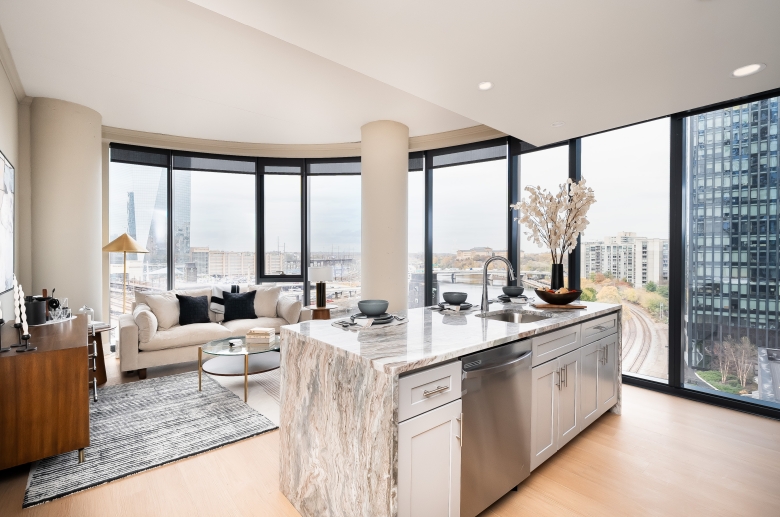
pixel 439 389
pixel 599 327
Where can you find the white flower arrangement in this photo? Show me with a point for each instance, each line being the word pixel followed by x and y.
pixel 555 221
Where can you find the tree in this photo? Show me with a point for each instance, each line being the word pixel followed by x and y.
pixel 609 294
pixel 650 286
pixel 630 295
pixel 663 290
pixel 721 358
pixel 742 356
pixel 588 295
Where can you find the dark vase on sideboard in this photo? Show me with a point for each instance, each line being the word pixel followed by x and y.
pixel 556 280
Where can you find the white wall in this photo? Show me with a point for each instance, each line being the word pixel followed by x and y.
pixel 9 145
pixel 67 201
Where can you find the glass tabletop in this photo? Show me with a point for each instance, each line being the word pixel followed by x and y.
pixel 223 347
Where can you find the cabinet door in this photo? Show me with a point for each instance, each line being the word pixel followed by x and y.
pixel 544 412
pixel 429 463
pixel 590 359
pixel 608 374
pixel 569 398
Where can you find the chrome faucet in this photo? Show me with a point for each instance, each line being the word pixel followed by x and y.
pixel 485 298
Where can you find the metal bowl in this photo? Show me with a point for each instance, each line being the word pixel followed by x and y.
pixel 455 298
pixel 557 299
pixel 513 290
pixel 373 307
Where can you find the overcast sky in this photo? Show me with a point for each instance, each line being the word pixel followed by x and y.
pixel 628 170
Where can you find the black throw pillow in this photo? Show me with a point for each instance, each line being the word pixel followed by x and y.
pixel 239 306
pixel 193 309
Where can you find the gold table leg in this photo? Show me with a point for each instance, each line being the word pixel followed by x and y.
pixel 246 377
pixel 81 456
pixel 200 366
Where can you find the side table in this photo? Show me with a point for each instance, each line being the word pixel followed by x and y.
pixel 321 313
pixel 98 371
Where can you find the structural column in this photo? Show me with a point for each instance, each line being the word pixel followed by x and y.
pixel 384 183
pixel 66 181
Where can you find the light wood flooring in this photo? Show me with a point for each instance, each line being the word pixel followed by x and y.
pixel 664 456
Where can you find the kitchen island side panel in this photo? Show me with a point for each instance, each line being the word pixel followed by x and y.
pixel 338 443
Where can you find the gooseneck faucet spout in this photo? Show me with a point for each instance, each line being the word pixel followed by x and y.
pixel 485 306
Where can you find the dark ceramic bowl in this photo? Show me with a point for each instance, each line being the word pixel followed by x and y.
pixel 454 298
pixel 557 299
pixel 513 290
pixel 373 307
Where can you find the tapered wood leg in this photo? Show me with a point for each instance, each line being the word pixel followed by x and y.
pixel 142 373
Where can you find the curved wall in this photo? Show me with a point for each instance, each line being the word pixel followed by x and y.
pixel 65 151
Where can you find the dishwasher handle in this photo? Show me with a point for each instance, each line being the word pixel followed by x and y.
pixel 496 369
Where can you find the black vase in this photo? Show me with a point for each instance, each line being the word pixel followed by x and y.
pixel 556 282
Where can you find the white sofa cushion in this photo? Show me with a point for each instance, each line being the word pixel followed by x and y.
pixel 178 336
pixel 166 307
pixel 266 298
pixel 146 322
pixel 289 308
pixel 241 327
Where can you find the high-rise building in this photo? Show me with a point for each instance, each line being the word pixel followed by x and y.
pixel 638 260
pixel 732 258
pixel 131 220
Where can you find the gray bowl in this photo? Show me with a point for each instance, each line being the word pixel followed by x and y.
pixel 513 290
pixel 455 298
pixel 373 307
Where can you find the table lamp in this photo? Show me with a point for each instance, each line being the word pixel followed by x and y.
pixel 321 275
pixel 124 243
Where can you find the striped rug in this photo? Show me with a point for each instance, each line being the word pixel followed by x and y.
pixel 145 424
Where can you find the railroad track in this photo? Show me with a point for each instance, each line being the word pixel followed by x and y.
pixel 646 342
pixel 629 338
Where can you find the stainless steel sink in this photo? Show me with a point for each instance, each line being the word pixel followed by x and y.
pixel 513 317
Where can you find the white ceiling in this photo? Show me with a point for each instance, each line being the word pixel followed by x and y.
pixel 303 71
pixel 172 67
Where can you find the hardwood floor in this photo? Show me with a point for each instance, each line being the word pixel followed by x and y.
pixel 663 456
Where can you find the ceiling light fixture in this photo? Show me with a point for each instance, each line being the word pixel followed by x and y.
pixel 485 86
pixel 747 70
pixel 558 123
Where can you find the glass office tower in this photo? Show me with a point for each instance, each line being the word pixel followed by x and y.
pixel 732 251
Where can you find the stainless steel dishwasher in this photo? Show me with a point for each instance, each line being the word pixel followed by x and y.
pixel 496 432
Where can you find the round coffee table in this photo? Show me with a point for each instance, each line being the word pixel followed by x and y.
pixel 258 358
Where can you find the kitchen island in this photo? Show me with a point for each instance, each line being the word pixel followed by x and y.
pixel 343 399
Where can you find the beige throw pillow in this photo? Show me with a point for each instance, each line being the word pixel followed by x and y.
pixel 266 298
pixel 165 307
pixel 146 322
pixel 289 308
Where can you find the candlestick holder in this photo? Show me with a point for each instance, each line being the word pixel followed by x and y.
pixel 2 322
pixel 18 327
pixel 27 347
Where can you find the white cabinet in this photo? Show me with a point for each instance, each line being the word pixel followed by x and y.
pixel 598 378
pixel 429 463
pixel 555 414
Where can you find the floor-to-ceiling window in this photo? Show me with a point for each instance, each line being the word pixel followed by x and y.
pixel 731 344
pixel 470 214
pixel 546 168
pixel 334 227
pixel 138 194
pixel 213 220
pixel 624 253
pixel 416 231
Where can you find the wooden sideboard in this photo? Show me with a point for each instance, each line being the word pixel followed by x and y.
pixel 44 395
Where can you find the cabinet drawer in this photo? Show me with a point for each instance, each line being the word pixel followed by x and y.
pixel 429 389
pixel 599 328
pixel 555 344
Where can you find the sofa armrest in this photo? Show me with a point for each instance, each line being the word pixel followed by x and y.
pixel 306 315
pixel 128 343
pixel 288 308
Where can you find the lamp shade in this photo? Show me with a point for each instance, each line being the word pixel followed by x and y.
pixel 125 243
pixel 321 274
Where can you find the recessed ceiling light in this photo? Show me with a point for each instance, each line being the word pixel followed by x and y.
pixel 747 70
pixel 485 85
pixel 558 123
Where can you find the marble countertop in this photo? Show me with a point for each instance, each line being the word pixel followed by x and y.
pixel 432 337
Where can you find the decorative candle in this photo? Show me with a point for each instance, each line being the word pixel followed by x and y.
pixel 1 310
pixel 16 300
pixel 23 311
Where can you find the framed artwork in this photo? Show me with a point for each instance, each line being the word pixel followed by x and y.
pixel 7 201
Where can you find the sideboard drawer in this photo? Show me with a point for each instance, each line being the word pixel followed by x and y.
pixel 594 330
pixel 555 344
pixel 429 389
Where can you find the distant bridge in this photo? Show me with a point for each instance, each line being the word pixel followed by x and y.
pixel 495 277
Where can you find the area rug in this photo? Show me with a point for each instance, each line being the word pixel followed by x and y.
pixel 145 424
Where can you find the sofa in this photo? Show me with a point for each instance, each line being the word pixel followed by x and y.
pixel 144 342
